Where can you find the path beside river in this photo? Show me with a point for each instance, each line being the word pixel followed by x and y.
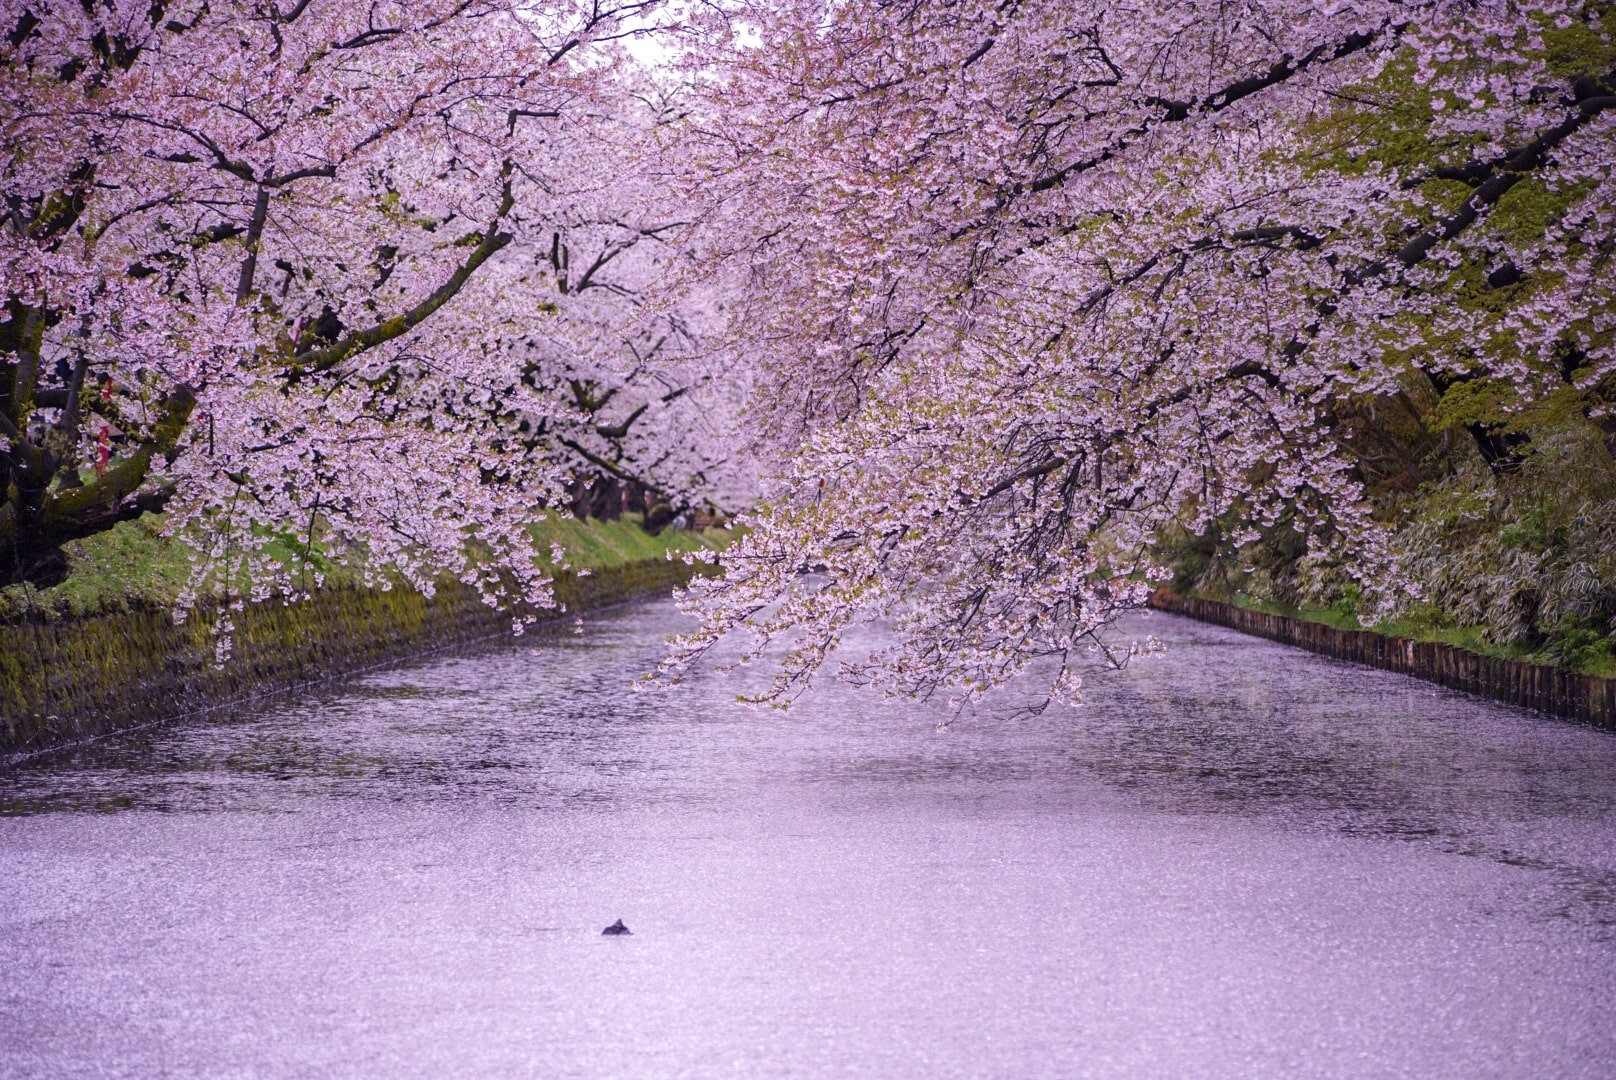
pixel 1237 860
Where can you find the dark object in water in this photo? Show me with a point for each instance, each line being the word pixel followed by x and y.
pixel 617 928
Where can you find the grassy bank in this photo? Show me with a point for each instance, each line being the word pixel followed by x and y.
pixel 1591 661
pixel 102 651
pixel 134 566
pixel 1555 690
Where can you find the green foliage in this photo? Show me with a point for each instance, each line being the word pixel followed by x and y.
pixel 1473 401
pixel 1519 564
pixel 1199 568
pixel 1581 645
pixel 1346 604
pixel 1536 532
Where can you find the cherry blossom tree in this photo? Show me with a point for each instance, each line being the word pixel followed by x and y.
pixel 1032 285
pixel 651 408
pixel 297 271
pixel 1015 290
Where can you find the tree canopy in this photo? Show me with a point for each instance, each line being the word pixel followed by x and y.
pixel 997 315
pixel 361 278
pixel 1037 287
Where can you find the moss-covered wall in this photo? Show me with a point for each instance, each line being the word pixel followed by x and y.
pixel 68 679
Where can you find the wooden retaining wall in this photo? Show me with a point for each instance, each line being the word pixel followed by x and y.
pixel 1552 690
pixel 65 680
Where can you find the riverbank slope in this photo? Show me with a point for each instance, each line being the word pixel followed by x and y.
pixel 71 675
pixel 1586 698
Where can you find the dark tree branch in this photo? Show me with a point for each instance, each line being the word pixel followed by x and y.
pixel 310 361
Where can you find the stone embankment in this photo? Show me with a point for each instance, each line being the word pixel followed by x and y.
pixel 1547 689
pixel 65 680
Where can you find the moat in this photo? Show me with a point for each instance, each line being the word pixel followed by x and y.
pixel 1235 860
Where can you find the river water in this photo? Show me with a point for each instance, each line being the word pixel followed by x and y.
pixel 1237 860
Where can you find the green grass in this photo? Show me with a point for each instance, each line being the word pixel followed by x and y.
pixel 599 544
pixel 130 565
pixel 1470 638
pixel 134 565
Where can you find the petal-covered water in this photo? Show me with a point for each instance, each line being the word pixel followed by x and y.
pixel 1238 860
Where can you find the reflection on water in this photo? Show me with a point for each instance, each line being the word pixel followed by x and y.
pixel 1234 860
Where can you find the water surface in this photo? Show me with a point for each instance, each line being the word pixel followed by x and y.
pixel 1239 860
